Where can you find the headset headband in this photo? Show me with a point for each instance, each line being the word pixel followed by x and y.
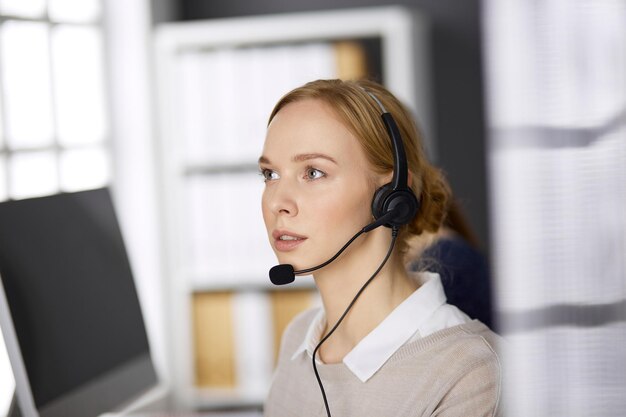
pixel 400 167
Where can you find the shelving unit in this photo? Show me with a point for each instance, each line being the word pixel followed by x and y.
pixel 217 82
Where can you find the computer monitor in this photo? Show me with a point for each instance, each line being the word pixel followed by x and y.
pixel 69 308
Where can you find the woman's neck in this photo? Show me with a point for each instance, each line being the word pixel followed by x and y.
pixel 339 282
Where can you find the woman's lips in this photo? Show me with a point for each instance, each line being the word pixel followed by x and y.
pixel 289 240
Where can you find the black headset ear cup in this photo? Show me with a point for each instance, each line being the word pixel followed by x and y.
pixel 406 204
pixel 378 202
pixel 386 199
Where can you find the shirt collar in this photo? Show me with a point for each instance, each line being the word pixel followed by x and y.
pixel 405 321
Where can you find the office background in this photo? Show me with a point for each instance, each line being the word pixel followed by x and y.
pixel 527 102
pixel 457 85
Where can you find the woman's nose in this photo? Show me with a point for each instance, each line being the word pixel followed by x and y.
pixel 281 198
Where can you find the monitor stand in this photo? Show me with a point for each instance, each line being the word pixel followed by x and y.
pixel 14 408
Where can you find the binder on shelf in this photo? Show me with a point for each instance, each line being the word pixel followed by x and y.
pixel 252 111
pixel 227 95
pixel 285 306
pixel 351 59
pixel 253 343
pixel 197 109
pixel 214 344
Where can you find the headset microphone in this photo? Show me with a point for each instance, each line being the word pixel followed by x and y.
pixel 285 274
pixel 282 274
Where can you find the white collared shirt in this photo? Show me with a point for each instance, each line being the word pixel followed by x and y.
pixel 422 313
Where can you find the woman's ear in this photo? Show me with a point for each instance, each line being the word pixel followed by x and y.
pixel 385 179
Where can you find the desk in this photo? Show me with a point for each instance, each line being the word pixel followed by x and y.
pixel 158 398
pixel 191 414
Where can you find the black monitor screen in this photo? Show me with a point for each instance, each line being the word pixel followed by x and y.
pixel 69 289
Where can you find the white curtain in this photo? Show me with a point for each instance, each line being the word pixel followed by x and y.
pixel 556 93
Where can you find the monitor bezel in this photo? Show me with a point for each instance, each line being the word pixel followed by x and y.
pixel 109 391
pixel 22 384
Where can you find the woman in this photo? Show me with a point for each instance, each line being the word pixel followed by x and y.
pixel 400 350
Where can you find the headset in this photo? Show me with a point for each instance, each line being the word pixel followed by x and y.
pixel 394 197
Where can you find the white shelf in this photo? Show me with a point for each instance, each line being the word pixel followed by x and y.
pixel 212 140
pixel 301 283
pixel 208 168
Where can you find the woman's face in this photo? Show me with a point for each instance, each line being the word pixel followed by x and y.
pixel 318 186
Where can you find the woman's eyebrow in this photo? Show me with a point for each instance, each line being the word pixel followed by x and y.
pixel 301 157
pixel 307 156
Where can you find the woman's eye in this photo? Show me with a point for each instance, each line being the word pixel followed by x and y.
pixel 269 175
pixel 314 174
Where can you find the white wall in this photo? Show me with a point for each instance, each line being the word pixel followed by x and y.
pixel 129 42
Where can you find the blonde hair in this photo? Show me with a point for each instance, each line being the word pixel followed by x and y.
pixel 360 113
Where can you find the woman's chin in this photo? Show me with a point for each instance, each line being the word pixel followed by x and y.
pixel 296 261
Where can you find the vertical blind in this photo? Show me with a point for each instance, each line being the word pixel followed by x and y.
pixel 556 93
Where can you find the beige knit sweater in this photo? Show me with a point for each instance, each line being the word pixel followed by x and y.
pixel 454 372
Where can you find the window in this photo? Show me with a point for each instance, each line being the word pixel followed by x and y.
pixel 53 133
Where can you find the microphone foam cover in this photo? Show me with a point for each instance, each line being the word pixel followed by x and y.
pixel 282 274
